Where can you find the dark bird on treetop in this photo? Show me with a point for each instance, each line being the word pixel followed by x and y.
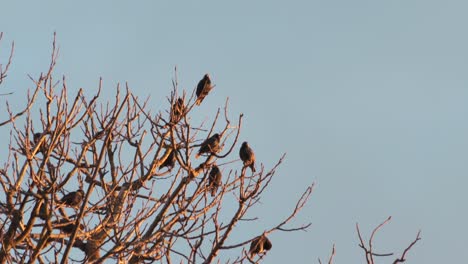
pixel 210 145
pixel 203 88
pixel 259 245
pixel 73 198
pixel 247 156
pixel 37 137
pixel 170 160
pixel 177 110
pixel 214 180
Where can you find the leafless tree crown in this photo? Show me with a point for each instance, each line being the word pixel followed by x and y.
pixel 90 181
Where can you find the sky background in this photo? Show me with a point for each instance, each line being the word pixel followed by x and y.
pixel 367 98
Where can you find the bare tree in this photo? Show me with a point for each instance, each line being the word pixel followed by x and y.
pixel 90 181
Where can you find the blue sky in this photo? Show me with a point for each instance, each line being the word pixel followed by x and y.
pixel 367 98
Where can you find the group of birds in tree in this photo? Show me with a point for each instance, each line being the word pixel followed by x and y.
pixel 210 146
pixel 71 199
pixel 178 108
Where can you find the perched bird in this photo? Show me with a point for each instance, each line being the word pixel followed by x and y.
pixel 92 250
pixel 177 110
pixel 210 145
pixel 67 226
pixel 203 88
pixel 247 156
pixel 73 198
pixel 259 245
pixel 214 180
pixel 37 137
pixel 170 160
pixel 44 211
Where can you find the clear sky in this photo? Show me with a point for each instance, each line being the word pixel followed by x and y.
pixel 368 98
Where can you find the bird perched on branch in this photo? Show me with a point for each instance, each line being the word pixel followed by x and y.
pixel 177 110
pixel 210 145
pixel 170 160
pixel 44 211
pixel 259 245
pixel 91 249
pixel 73 198
pixel 203 88
pixel 214 180
pixel 247 156
pixel 67 226
pixel 36 139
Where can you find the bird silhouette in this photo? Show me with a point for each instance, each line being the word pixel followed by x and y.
pixel 203 88
pixel 214 180
pixel 67 226
pixel 73 198
pixel 259 245
pixel 36 139
pixel 170 160
pixel 247 156
pixel 44 211
pixel 210 145
pixel 177 110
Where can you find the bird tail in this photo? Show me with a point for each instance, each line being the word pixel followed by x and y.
pixel 252 167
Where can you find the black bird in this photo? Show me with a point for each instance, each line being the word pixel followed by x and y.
pixel 177 110
pixel 247 156
pixel 210 145
pixel 67 226
pixel 73 198
pixel 170 160
pixel 214 180
pixel 203 88
pixel 44 211
pixel 259 245
pixel 37 137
